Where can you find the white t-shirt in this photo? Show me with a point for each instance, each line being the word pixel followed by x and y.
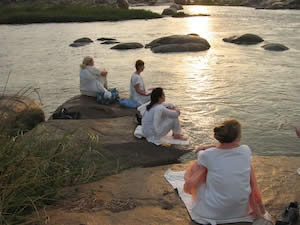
pixel 226 192
pixel 140 99
pixel 92 82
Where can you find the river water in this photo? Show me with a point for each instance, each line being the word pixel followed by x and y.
pixel 258 87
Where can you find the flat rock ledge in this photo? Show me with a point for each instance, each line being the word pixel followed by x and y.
pixel 245 39
pixel 89 109
pixel 142 196
pixel 104 137
pixel 179 43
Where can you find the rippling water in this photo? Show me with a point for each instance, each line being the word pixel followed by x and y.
pixel 258 87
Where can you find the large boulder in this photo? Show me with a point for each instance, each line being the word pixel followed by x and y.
pixel 275 47
pixel 245 39
pixel 90 109
pixel 19 114
pixel 128 45
pixel 178 43
pixel 169 11
pixel 123 4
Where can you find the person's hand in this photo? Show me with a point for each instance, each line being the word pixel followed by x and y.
pixel 104 72
pixel 170 107
pixel 298 132
pixel 177 110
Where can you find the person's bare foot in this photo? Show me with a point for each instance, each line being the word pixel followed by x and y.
pixel 179 137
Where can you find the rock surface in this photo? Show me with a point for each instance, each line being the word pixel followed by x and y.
pixel 89 109
pixel 245 39
pixel 19 114
pixel 142 196
pixel 275 47
pixel 169 11
pixel 128 45
pixel 178 43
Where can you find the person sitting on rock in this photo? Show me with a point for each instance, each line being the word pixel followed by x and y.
pixel 222 181
pixel 92 80
pixel 138 91
pixel 160 118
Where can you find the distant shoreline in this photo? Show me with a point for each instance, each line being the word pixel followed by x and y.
pixel 30 13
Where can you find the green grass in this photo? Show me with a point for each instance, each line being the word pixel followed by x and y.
pixel 29 13
pixel 32 172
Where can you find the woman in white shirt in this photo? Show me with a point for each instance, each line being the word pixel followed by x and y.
pixel 138 91
pixel 160 118
pixel 92 80
pixel 222 180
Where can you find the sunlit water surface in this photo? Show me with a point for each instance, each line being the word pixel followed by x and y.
pixel 258 87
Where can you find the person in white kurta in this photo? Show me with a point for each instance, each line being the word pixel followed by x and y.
pixel 160 118
pixel 226 192
pixel 138 91
pixel 92 80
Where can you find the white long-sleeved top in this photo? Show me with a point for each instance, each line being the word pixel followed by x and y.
pixel 156 122
pixel 92 82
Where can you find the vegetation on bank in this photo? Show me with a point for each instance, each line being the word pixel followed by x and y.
pixel 33 172
pixel 31 13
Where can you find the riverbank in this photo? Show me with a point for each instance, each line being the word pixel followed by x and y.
pixel 35 13
pixel 143 196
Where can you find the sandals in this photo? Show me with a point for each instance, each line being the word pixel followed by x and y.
pixel 290 215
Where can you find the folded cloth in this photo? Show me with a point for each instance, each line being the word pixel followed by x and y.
pixel 128 103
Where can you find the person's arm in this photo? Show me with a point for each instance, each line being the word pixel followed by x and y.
pixel 204 147
pixel 140 91
pixel 157 118
pixel 169 105
pixel 170 112
pixel 100 86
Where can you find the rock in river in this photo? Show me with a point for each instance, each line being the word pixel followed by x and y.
pixel 245 39
pixel 178 43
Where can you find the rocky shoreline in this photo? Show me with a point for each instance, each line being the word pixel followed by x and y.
pixel 129 187
pixel 258 4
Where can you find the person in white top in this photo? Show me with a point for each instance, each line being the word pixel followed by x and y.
pixel 160 118
pixel 226 194
pixel 92 80
pixel 138 91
